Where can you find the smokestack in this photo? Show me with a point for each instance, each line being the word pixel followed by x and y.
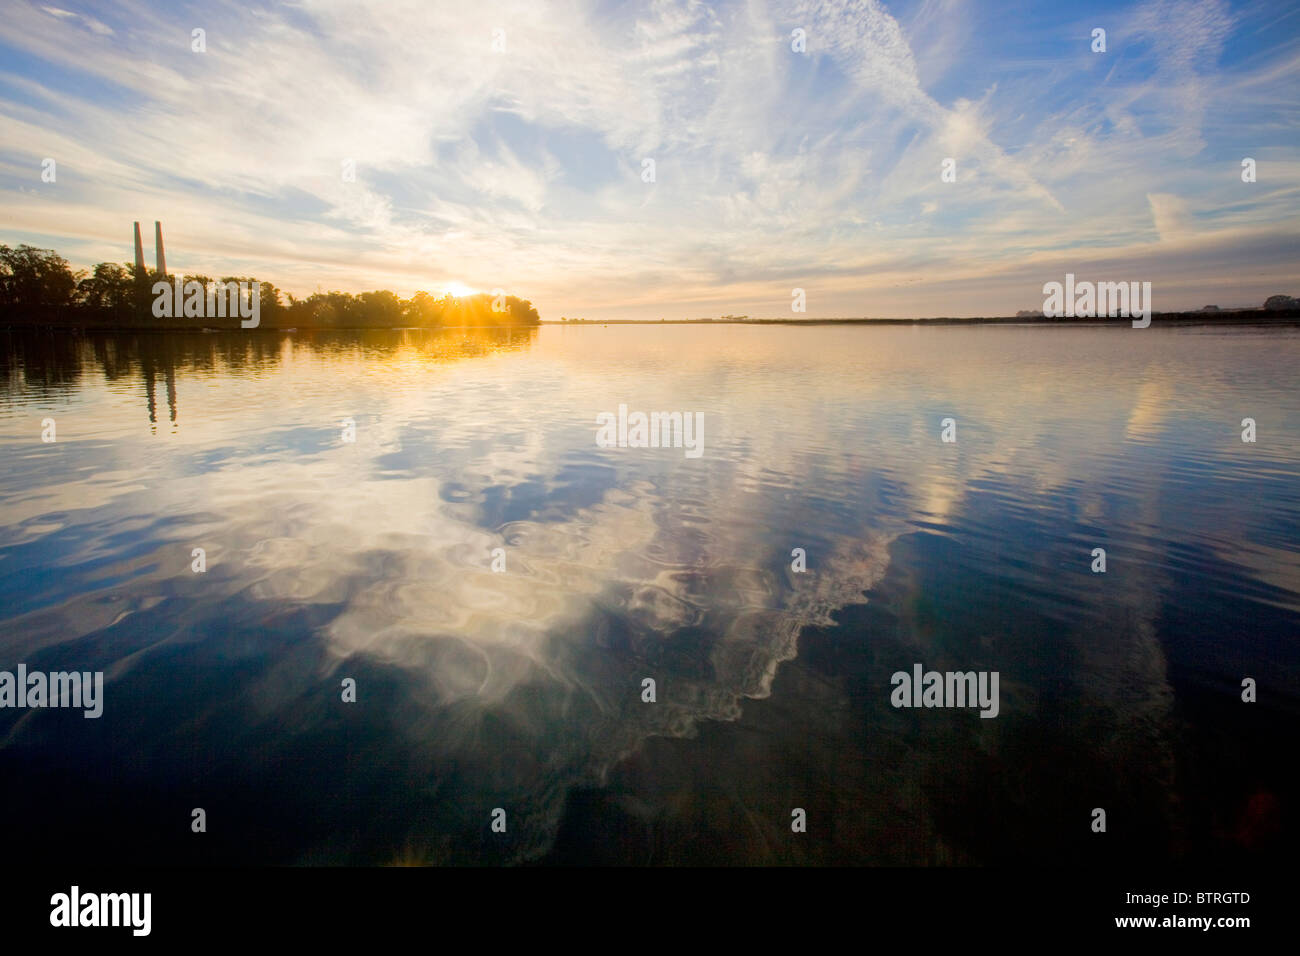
pixel 139 251
pixel 157 241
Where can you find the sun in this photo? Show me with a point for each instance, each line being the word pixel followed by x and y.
pixel 458 289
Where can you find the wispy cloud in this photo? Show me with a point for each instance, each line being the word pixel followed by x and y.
pixel 773 168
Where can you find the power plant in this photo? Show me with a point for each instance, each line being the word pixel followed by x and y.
pixel 157 241
pixel 158 246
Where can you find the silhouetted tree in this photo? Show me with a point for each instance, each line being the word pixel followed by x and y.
pixel 35 283
pixel 37 287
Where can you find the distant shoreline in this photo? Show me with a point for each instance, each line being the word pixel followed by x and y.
pixel 1223 317
pixel 1227 317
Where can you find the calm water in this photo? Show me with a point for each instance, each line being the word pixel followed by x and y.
pixel 522 689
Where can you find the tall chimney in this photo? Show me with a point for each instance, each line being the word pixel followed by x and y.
pixel 157 241
pixel 139 251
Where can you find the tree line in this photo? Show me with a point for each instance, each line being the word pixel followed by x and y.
pixel 39 288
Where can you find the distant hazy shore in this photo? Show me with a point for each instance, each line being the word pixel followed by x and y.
pixel 1226 317
pixel 1222 317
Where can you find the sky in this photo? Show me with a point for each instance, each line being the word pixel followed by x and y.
pixel 501 145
